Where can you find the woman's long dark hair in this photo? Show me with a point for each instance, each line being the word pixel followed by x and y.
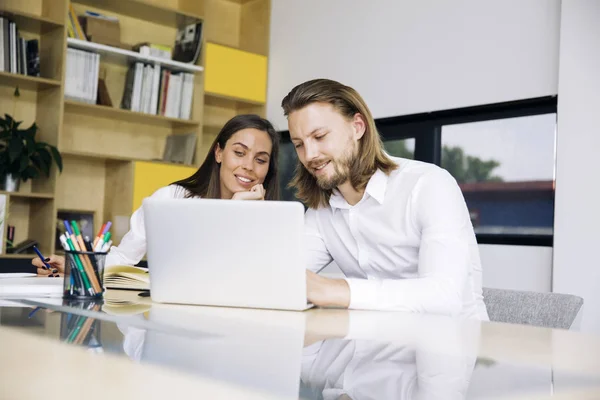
pixel 206 182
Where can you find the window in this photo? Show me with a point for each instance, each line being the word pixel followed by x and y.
pixel 502 156
pixel 505 168
pixel 287 165
pixel 404 148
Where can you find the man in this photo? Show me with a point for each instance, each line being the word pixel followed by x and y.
pixel 398 229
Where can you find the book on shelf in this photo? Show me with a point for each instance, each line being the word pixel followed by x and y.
pixel 82 76
pixel 154 90
pixel 101 16
pixel 188 43
pixel 102 29
pixel 153 50
pixel 33 57
pixel 126 277
pixel 180 148
pixel 17 54
pixel 74 29
pixel 10 238
pixel 3 218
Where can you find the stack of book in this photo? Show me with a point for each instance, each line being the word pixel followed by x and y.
pixel 17 55
pixel 74 29
pixel 82 76
pixel 155 90
pixel 153 50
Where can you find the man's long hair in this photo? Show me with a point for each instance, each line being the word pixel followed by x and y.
pixel 370 156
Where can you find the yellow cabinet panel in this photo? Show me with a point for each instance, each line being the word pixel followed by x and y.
pixel 235 73
pixel 149 177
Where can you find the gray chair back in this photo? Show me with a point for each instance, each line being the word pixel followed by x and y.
pixel 549 310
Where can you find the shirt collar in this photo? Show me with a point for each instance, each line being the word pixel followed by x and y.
pixel 375 188
pixel 377 185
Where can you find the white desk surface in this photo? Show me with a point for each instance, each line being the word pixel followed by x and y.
pixel 146 350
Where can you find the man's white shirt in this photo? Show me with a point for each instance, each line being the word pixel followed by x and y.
pixel 407 245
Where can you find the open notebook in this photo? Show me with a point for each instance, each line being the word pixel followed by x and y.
pixel 126 277
pixel 117 304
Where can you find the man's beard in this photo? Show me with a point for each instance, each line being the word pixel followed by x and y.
pixel 341 167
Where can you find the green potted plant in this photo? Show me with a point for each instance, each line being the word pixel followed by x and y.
pixel 21 156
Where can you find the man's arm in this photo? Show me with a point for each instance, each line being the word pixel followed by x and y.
pixel 440 213
pixel 317 255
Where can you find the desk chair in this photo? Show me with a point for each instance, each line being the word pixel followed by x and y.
pixel 549 310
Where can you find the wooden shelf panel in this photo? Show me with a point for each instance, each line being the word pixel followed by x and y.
pixel 20 256
pixel 30 22
pixel 88 154
pixel 222 100
pixel 30 195
pixel 141 9
pixel 125 57
pixel 127 115
pixel 108 157
pixel 27 82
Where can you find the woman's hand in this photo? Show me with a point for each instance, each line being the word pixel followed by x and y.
pixel 57 264
pixel 256 193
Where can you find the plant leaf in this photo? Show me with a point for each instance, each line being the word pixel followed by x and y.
pixel 15 148
pixel 57 157
pixel 30 132
pixel 46 161
pixel 29 173
pixel 37 162
pixel 24 164
pixel 30 144
pixel 5 135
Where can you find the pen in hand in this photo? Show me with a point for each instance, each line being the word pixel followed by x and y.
pixel 47 266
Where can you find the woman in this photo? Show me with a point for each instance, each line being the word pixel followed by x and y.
pixel 241 165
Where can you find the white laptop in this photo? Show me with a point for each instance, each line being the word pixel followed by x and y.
pixel 226 252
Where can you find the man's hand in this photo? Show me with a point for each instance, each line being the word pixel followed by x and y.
pixel 327 292
pixel 323 324
pixel 256 193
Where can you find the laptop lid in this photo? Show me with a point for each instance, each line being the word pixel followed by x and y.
pixel 226 253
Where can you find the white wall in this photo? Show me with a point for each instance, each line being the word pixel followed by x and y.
pixel 517 267
pixel 577 219
pixel 407 56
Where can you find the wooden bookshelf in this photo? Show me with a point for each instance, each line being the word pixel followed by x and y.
pixel 29 195
pixel 18 256
pixel 30 22
pixel 27 82
pixel 112 158
pixel 126 115
pixel 96 156
pixel 125 57
pixel 153 11
pixel 229 101
pixel 102 146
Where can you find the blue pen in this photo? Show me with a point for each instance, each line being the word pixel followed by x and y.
pixel 68 227
pixel 33 312
pixel 41 257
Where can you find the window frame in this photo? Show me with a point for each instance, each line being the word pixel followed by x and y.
pixel 426 129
